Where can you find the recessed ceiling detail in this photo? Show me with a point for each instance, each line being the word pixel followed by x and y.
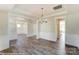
pixel 30 11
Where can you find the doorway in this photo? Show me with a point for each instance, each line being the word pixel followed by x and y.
pixel 22 28
pixel 60 28
pixel 61 34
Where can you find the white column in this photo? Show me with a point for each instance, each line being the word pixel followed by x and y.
pixel 38 29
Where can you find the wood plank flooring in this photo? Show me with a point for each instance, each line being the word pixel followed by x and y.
pixel 72 50
pixel 33 46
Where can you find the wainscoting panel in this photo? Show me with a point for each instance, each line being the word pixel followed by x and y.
pixel 48 35
pixel 72 39
pixel 4 42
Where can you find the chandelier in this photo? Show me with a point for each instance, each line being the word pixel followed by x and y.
pixel 42 20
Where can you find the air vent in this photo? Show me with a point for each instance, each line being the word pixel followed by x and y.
pixel 57 7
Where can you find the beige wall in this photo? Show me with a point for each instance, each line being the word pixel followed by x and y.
pixel 4 42
pixel 3 22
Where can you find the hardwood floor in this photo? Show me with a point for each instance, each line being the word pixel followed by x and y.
pixel 36 47
pixel 33 46
pixel 72 50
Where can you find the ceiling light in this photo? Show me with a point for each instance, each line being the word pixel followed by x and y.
pixel 42 20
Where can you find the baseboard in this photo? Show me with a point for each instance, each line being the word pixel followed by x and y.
pixel 71 46
pixel 7 50
pixel 47 40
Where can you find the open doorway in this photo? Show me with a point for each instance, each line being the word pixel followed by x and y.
pixel 60 28
pixel 22 28
pixel 61 34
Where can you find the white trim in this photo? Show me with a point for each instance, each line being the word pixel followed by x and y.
pixel 48 36
pixel 56 14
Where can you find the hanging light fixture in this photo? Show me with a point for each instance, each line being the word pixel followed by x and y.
pixel 42 20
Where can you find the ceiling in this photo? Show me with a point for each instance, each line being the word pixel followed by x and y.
pixel 6 7
pixel 31 11
pixel 34 10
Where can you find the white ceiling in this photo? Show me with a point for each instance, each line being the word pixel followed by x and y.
pixel 29 10
pixel 72 8
pixel 34 10
pixel 6 7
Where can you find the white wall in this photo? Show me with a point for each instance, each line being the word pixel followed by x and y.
pixel 72 39
pixel 4 42
pixel 31 28
pixel 47 30
pixel 12 30
pixel 72 26
pixel 27 27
